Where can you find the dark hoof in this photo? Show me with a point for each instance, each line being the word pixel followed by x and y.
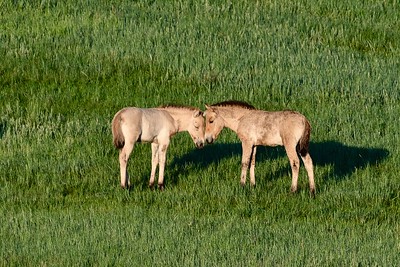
pixel 161 187
pixel 312 193
pixel 151 186
pixel 125 187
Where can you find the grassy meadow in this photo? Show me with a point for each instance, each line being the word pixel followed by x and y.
pixel 66 67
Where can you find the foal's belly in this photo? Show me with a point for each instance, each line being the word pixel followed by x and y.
pixel 267 138
pixel 270 142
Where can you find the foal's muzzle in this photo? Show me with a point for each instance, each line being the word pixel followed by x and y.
pixel 200 144
pixel 209 140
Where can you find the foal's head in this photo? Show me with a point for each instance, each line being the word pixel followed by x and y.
pixel 214 124
pixel 196 128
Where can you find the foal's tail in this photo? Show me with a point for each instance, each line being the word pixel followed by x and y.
pixel 302 146
pixel 118 136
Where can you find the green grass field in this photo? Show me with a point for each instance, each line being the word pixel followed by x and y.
pixel 67 68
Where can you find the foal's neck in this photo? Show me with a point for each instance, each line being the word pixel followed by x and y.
pixel 232 117
pixel 181 117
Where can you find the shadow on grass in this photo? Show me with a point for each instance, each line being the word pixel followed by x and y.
pixel 343 159
pixel 2 129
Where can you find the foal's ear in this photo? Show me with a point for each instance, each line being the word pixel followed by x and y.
pixel 209 107
pixel 197 113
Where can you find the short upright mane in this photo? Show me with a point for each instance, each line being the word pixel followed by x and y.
pixel 178 106
pixel 234 103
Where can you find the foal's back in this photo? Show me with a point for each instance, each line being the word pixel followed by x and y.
pixel 271 128
pixel 148 123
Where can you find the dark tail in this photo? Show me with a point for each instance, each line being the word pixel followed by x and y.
pixel 302 146
pixel 118 136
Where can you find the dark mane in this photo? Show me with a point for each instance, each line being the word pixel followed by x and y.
pixel 234 103
pixel 177 106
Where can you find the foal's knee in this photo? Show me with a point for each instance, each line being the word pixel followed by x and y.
pixel 122 157
pixel 295 163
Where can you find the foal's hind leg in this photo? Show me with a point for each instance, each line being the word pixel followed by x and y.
pixel 123 162
pixel 252 166
pixel 294 164
pixel 308 164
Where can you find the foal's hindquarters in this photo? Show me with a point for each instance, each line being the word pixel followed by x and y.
pixel 293 150
pixel 297 144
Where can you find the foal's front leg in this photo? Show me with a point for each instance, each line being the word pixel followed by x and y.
pixel 162 155
pixel 246 155
pixel 154 163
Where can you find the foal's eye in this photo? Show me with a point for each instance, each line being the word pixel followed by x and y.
pixel 211 121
